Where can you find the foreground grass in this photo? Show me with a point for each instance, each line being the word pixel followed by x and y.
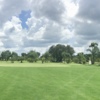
pixel 73 82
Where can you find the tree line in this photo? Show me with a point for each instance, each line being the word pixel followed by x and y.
pixel 31 56
pixel 56 53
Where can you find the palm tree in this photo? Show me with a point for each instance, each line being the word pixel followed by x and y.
pixel 93 49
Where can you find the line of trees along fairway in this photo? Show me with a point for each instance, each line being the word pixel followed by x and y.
pixel 62 53
pixel 31 56
pixel 56 53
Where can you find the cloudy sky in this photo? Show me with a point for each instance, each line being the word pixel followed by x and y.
pixel 37 24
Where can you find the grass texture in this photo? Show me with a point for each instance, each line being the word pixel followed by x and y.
pixel 49 82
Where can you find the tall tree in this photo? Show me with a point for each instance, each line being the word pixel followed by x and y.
pixel 57 50
pixel 20 58
pixel 81 58
pixel 32 56
pixel 45 56
pixel 93 49
pixel 24 56
pixel 66 57
pixel 14 57
pixel 5 55
pixel 70 50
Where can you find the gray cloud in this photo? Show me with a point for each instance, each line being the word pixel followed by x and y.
pixel 89 10
pixel 85 32
pixel 87 27
pixel 27 42
pixel 50 9
pixel 53 33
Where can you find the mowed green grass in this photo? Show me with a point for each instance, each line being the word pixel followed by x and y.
pixel 49 82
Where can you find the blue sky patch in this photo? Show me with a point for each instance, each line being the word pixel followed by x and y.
pixel 23 17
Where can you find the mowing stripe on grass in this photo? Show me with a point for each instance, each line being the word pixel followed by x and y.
pixel 45 83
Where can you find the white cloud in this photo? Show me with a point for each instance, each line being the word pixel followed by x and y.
pixel 13 33
pixel 71 8
pixel 51 22
pixel 11 8
pixel 48 25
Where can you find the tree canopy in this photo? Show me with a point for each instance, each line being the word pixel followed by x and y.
pixel 57 50
pixel 94 50
pixel 56 53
